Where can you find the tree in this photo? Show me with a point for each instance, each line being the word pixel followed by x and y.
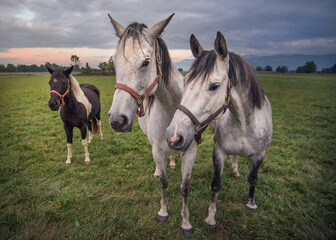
pixel 259 68
pixel 87 68
pixel 268 68
pixel 282 69
pixel 309 67
pixel 103 66
pixel 10 68
pixel 2 68
pixel 180 69
pixel 110 67
pixel 75 62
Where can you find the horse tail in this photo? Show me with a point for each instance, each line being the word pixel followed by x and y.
pixel 95 125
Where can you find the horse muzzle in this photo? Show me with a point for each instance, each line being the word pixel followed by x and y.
pixel 178 140
pixel 54 105
pixel 120 123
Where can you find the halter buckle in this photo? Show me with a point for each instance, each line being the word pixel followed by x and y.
pixel 140 99
pixel 198 127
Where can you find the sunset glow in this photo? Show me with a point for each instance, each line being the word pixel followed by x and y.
pixel 61 56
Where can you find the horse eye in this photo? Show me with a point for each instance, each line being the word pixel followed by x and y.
pixel 214 86
pixel 145 63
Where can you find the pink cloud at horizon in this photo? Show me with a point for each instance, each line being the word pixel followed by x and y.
pixel 61 56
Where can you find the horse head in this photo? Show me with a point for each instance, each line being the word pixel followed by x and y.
pixel 136 66
pixel 206 86
pixel 59 87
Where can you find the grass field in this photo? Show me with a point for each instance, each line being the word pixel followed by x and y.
pixel 116 197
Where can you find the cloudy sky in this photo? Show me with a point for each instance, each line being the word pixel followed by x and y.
pixel 36 31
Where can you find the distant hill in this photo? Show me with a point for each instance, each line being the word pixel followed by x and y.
pixel 291 61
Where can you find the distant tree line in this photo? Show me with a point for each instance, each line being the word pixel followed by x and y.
pixel 329 70
pixel 267 68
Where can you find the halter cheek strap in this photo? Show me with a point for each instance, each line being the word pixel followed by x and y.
pixel 140 98
pixel 200 127
pixel 62 95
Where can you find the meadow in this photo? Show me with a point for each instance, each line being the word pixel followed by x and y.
pixel 116 197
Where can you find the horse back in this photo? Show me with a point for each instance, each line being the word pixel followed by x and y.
pixel 92 93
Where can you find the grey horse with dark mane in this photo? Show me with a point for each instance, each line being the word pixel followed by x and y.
pixel 148 83
pixel 221 80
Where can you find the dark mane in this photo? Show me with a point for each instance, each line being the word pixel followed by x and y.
pixel 135 31
pixel 240 72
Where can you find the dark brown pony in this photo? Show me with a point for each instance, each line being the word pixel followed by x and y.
pixel 80 106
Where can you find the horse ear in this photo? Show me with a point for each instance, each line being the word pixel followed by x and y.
pixel 158 28
pixel 117 26
pixel 220 46
pixel 68 71
pixel 49 69
pixel 195 46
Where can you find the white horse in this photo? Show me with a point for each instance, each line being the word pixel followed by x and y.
pixel 147 79
pixel 220 80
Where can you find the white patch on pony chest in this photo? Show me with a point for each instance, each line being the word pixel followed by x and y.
pixel 80 96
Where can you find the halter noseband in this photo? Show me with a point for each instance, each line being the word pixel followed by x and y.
pixel 140 98
pixel 60 95
pixel 200 127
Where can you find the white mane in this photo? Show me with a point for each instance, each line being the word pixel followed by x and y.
pixel 79 95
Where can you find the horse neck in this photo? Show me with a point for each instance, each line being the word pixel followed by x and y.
pixel 70 102
pixel 170 94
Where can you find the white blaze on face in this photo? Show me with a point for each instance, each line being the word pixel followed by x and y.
pixel 79 95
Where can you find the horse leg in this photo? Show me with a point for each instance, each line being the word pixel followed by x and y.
pixel 160 160
pixel 255 163
pixel 89 124
pixel 69 132
pixel 157 172
pixel 85 143
pixel 99 126
pixel 235 165
pixel 187 162
pixel 218 158
pixel 172 164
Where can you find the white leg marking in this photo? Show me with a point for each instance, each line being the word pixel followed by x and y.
pixel 157 172
pixel 235 165
pixel 90 136
pixel 68 161
pixel 210 220
pixel 100 130
pixel 172 164
pixel 251 204
pixel 85 145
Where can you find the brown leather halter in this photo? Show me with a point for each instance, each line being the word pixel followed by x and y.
pixel 64 94
pixel 140 98
pixel 200 127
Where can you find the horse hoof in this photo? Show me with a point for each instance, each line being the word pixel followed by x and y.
pixel 212 227
pixel 187 232
pixel 252 206
pixel 172 166
pixel 67 162
pixel 87 161
pixel 162 219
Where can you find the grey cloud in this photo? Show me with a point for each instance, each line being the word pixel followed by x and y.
pixel 268 26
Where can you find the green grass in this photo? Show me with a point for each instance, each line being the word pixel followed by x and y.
pixel 116 197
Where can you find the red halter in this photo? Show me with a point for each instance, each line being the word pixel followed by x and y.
pixel 140 98
pixel 62 96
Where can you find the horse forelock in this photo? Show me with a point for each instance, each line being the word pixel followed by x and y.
pixel 202 67
pixel 240 72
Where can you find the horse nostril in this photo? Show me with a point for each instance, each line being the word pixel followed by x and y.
pixel 124 121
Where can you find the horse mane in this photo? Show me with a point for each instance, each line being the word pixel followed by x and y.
pixel 135 31
pixel 79 94
pixel 240 72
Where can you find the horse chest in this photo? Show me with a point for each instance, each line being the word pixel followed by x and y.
pixel 75 119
